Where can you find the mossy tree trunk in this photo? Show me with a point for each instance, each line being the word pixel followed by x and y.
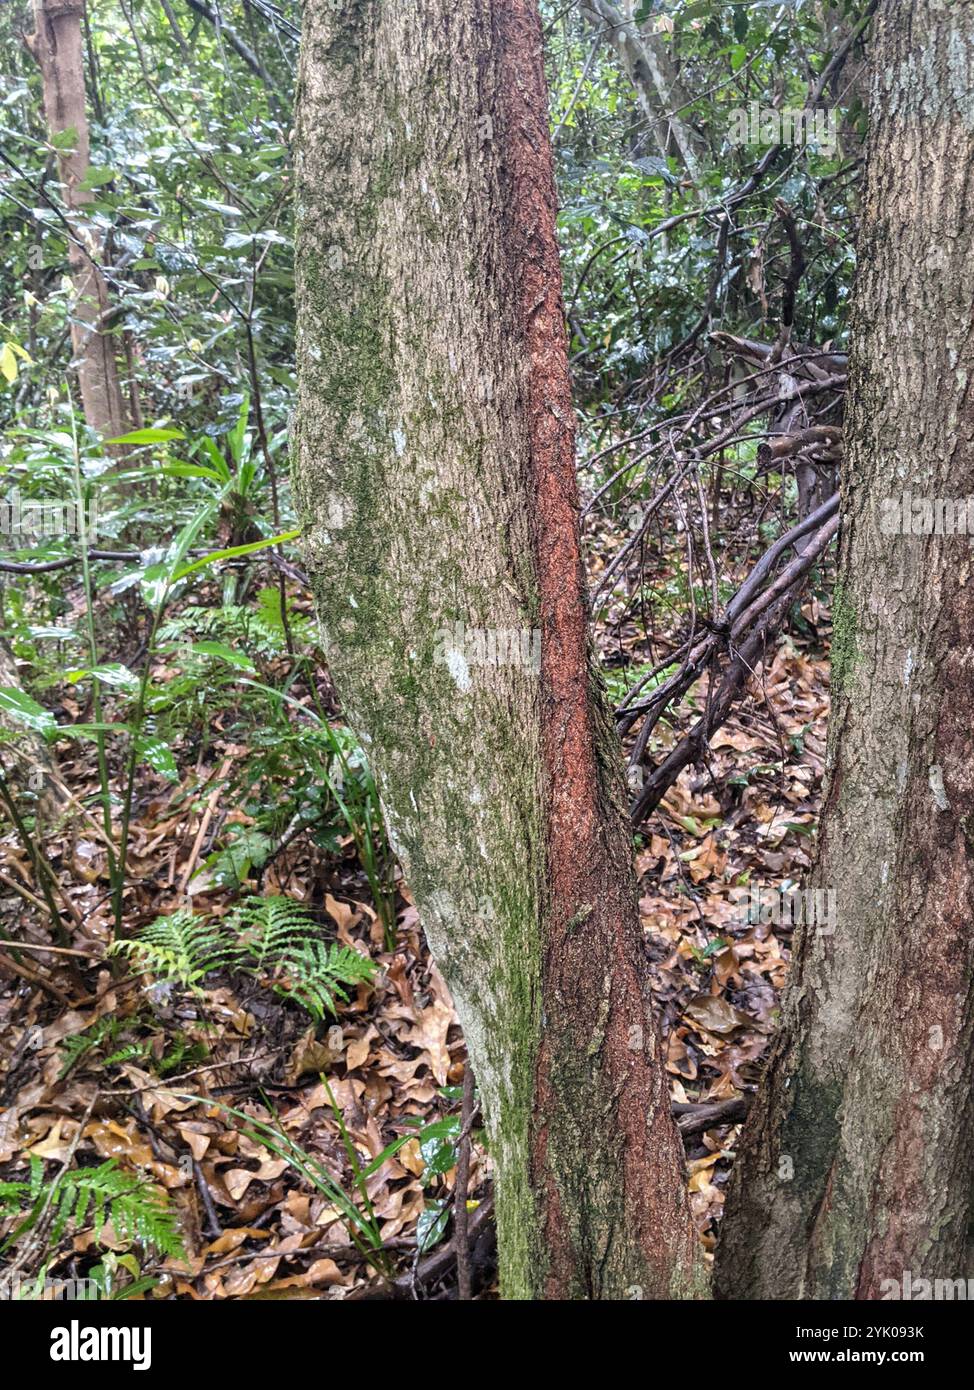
pixel 855 1167
pixel 434 469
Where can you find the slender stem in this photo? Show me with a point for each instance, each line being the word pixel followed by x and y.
pixel 37 859
pixel 106 793
pixel 461 1234
pixel 118 879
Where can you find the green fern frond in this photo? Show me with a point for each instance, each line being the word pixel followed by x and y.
pixel 266 928
pixel 137 1210
pixel 274 939
pixel 278 939
pixel 182 947
pixel 314 975
pixel 78 1045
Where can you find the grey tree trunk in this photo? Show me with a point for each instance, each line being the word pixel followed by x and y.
pixel 58 47
pixel 434 469
pixel 646 61
pixel 854 1169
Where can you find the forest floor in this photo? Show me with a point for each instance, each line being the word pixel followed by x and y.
pixel 98 1063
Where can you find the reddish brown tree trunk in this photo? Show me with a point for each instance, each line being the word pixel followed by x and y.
pixel 434 467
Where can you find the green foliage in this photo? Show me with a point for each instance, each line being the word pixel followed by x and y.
pixel 189 168
pixel 99 1037
pixel 241 634
pixel 632 294
pixel 356 1209
pixel 274 939
pixel 183 1053
pixel 180 948
pixel 432 1224
pixel 202 660
pixel 106 1039
pixel 278 942
pixel 137 1210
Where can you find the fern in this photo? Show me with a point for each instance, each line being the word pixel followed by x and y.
pixel 259 631
pixel 273 939
pixel 266 928
pixel 78 1045
pixel 181 947
pixel 138 1211
pixel 278 940
pixel 314 974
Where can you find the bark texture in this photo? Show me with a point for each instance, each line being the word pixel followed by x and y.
pixel 854 1167
pixel 58 47
pixel 646 61
pixel 434 469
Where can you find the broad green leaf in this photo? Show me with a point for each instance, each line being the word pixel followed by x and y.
pixel 226 653
pixel 154 582
pixel 431 1226
pixel 109 673
pixel 66 139
pixel 159 756
pixel 23 710
pixel 439 1155
pixel 190 470
pixel 147 436
pixel 95 177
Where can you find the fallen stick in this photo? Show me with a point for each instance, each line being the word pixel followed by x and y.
pixel 695 1119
